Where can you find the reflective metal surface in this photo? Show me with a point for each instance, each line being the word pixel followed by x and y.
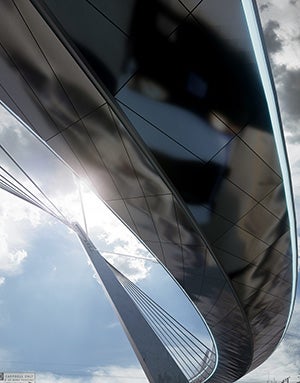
pixel 160 106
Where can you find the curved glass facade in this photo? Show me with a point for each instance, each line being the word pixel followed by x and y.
pixel 161 107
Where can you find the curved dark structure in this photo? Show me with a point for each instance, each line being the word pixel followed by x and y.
pixel 161 106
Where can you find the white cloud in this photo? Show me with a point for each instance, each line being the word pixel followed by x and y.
pixel 51 378
pixel 134 269
pixel 10 261
pixel 118 374
pixel 17 222
pixel 13 209
pixel 108 374
pixel 287 30
pixel 280 20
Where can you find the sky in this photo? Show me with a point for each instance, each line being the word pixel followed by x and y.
pixel 43 268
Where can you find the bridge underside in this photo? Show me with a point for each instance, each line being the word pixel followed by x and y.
pixel 159 105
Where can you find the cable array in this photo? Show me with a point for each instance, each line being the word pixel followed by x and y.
pixel 194 358
pixel 36 196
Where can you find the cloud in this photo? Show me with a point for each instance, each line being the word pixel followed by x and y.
pixel 10 261
pixel 118 374
pixel 108 374
pixel 17 221
pixel 281 31
pixel 264 6
pixel 273 41
pixel 134 269
pixel 52 378
pixel 281 27
pixel 288 89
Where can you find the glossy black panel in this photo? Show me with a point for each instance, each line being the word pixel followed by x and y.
pixel 179 126
pixel 212 225
pixel 119 16
pixel 248 171
pixel 233 264
pixel 139 211
pixel 259 141
pixel 162 144
pixel 42 85
pixel 231 202
pixel 164 214
pixel 241 243
pixel 20 97
pixel 273 202
pixel 93 33
pixel 283 244
pixel 145 172
pixel 256 221
pixel 63 69
pixel 61 146
pixel 190 4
